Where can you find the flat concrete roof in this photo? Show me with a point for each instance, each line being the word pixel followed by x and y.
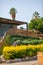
pixel 10 21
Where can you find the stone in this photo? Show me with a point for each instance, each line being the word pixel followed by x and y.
pixel 26 58
pixel 30 58
pixel 18 60
pixel 2 59
pixel 23 59
pixel 1 56
pixel 34 57
pixel 10 61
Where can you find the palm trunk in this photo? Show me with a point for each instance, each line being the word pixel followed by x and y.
pixel 13 16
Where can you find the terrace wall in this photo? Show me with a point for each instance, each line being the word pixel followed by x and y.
pixel 22 32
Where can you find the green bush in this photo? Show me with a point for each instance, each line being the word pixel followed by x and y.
pixel 21 51
pixel 23 40
pixel 32 42
pixel 1 51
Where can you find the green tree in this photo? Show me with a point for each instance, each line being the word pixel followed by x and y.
pixel 21 28
pixel 36 24
pixel 36 15
pixel 13 12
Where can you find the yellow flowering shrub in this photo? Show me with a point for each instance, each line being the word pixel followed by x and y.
pixel 11 52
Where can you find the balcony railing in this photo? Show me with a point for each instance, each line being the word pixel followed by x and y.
pixel 22 32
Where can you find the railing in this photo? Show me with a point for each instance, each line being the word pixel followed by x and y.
pixel 22 32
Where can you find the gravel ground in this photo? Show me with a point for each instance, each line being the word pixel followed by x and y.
pixel 22 63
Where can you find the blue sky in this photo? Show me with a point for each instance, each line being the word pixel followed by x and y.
pixel 25 8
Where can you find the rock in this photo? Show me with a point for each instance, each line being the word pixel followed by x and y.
pixel 23 59
pixel 1 56
pixel 13 60
pixel 34 57
pixel 18 60
pixel 0 60
pixel 30 58
pixel 10 61
pixel 26 58
pixel 3 60
pixel 15 43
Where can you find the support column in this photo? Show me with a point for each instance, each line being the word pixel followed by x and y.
pixel 15 26
pixel 14 29
pixel 27 29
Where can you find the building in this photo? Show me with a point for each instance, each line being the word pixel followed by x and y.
pixel 9 26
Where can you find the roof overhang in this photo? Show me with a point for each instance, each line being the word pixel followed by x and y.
pixel 10 21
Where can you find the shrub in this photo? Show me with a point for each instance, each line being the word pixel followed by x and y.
pixel 1 50
pixel 32 42
pixel 23 40
pixel 21 51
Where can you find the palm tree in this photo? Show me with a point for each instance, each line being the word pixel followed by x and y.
pixel 13 12
pixel 36 15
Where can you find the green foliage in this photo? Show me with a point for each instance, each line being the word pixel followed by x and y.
pixel 8 40
pixel 36 15
pixel 21 40
pixel 36 24
pixel 13 11
pixel 1 50
pixel 21 51
pixel 18 52
pixel 21 28
pixel 32 42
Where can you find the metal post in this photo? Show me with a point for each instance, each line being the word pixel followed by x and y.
pixel 27 29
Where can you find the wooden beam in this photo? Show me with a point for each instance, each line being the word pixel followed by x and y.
pixel 9 21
